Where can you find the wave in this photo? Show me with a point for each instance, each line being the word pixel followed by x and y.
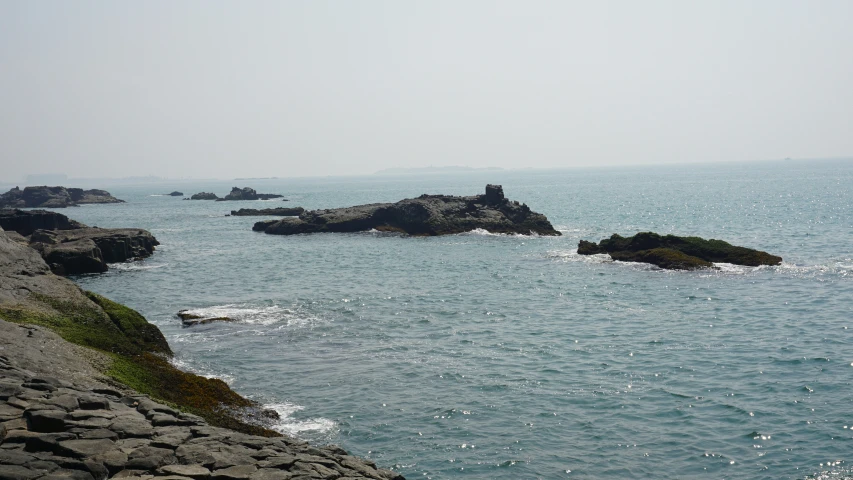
pixel 291 426
pixel 485 233
pixel 253 314
pixel 188 367
pixel 132 266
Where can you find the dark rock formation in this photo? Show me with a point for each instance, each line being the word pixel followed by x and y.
pixel 190 318
pixel 25 222
pixel 425 215
pixel 89 250
pixel 247 194
pixel 176 194
pixel 676 253
pixel 278 212
pixel 204 196
pixel 53 197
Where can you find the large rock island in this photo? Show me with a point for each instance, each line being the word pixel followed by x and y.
pixel 274 212
pixel 53 197
pixel 425 215
pixel 676 253
pixel 70 247
pixel 247 193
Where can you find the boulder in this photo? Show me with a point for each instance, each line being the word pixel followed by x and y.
pixel 189 318
pixel 676 253
pixel 277 212
pixel 53 197
pixel 204 196
pixel 25 222
pixel 89 250
pixel 247 193
pixel 425 215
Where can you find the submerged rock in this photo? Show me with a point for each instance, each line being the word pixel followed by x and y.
pixel 204 196
pixel 190 318
pixel 676 253
pixel 278 212
pixel 425 215
pixel 53 197
pixel 247 193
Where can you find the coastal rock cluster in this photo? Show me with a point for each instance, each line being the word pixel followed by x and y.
pixel 54 429
pixel 425 215
pixel 237 193
pixel 189 318
pixel 676 253
pixel 53 197
pixel 277 212
pixel 70 247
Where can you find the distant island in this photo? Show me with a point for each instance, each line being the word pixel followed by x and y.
pixel 434 170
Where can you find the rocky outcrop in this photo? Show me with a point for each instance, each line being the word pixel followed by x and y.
pixel 277 212
pixel 189 318
pixel 25 222
pixel 204 196
pixel 71 248
pixel 89 250
pixel 176 194
pixel 676 253
pixel 425 215
pixel 53 197
pixel 247 193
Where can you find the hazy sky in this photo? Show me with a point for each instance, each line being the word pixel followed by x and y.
pixel 239 89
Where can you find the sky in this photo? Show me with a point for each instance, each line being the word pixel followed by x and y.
pixel 215 89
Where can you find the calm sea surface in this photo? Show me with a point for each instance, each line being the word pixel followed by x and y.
pixel 491 356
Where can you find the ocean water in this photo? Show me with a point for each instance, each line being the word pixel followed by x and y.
pixel 494 356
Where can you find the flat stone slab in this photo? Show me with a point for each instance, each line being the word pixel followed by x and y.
pixel 195 471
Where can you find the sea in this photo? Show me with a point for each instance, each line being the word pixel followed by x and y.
pixel 511 356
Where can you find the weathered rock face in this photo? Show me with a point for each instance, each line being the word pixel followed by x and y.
pixel 204 196
pixel 25 222
pixel 176 194
pixel 54 428
pixel 247 193
pixel 278 212
pixel 425 215
pixel 89 250
pixel 676 253
pixel 53 197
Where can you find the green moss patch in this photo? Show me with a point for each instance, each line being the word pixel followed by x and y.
pixel 140 356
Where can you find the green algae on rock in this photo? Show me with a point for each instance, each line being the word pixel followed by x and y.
pixel 676 253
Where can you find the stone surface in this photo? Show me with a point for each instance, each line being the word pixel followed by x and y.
pixel 89 250
pixel 425 215
pixel 204 196
pixel 676 253
pixel 25 222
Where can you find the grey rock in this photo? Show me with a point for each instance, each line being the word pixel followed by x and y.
pixel 237 472
pixel 98 433
pixel 125 428
pixel 9 390
pixel 85 448
pixel 114 460
pixel 130 474
pixel 87 414
pixel 247 193
pixel 46 442
pixel 195 471
pixel 66 402
pixel 91 402
pixel 271 474
pixel 164 420
pixel 275 212
pixel 281 461
pixel 150 458
pixel 44 387
pixel 17 472
pixel 45 421
pixel 68 474
pixel 14 458
pixel 195 454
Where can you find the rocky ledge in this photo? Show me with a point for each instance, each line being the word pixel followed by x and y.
pixel 425 215
pixel 276 212
pixel 247 193
pixel 676 253
pixel 189 318
pixel 54 429
pixel 53 197
pixel 72 248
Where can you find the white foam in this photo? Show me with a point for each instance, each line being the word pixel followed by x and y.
pixel 574 256
pixel 291 426
pixel 131 266
pixel 485 233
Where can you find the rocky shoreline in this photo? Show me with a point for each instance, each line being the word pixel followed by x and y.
pixel 426 215
pixel 53 197
pixel 77 376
